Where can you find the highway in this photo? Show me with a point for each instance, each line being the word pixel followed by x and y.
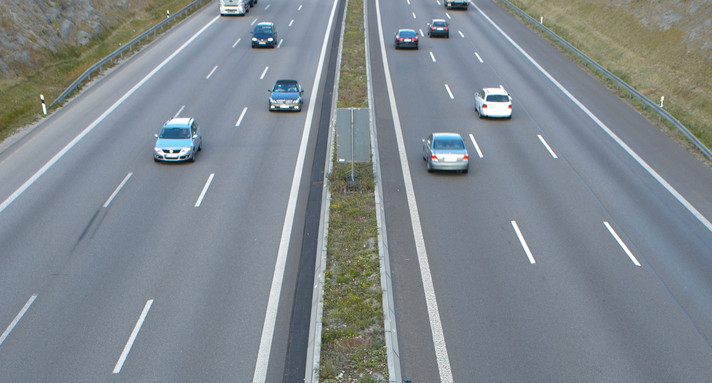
pixel 116 268
pixel 578 247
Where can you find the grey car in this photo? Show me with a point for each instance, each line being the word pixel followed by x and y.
pixel 179 140
pixel 286 95
pixel 445 151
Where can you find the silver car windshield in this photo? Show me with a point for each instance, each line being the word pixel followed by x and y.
pixel 175 133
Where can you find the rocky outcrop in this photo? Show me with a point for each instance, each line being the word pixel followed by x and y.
pixel 32 30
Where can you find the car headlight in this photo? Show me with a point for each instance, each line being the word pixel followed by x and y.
pixel 254 39
pixel 185 150
pixel 158 150
pixel 270 39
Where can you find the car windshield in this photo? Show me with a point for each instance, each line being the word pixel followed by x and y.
pixel 497 98
pixel 448 143
pixel 439 23
pixel 263 29
pixel 285 87
pixel 174 132
pixel 407 34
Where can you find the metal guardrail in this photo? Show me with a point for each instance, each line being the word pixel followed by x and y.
pixel 646 102
pixel 119 52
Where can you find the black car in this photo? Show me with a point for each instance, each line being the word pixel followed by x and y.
pixel 406 38
pixel 286 95
pixel 264 35
pixel 439 27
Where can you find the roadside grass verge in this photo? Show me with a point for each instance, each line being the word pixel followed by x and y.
pixel 656 63
pixel 353 345
pixel 20 96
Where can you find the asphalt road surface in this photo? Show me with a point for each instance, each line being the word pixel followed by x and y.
pixel 116 268
pixel 578 247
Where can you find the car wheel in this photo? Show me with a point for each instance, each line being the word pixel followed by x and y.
pixel 465 170
pixel 429 166
pixel 447 35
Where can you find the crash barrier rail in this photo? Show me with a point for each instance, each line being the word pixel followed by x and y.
pixel 631 91
pixel 118 54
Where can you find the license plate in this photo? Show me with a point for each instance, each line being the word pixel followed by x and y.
pixel 450 158
pixel 407 40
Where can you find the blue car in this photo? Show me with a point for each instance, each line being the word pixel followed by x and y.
pixel 286 95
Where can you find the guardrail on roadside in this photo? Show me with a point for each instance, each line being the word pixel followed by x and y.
pixel 631 91
pixel 128 46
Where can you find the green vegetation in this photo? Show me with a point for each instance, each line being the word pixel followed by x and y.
pixel 353 344
pixel 656 63
pixel 20 96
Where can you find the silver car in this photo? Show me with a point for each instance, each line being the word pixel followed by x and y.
pixel 179 140
pixel 445 151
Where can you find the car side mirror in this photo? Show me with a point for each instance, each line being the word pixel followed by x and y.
pixel 155 135
pixel 422 140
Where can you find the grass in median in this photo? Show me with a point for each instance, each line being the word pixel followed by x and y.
pixel 20 96
pixel 353 344
pixel 656 63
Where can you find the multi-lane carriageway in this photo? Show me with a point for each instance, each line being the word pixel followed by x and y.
pixel 576 249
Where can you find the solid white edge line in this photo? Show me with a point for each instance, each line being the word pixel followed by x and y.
pixel 264 72
pixel 15 321
pixel 605 128
pixel 622 244
pixel 268 326
pixel 132 337
pixel 436 328
pixel 99 119
pixel 239 120
pixel 546 144
pixel 477 147
pixel 205 190
pixel 118 188
pixel 523 242
pixel 390 328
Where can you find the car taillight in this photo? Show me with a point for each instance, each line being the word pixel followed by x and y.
pixel 400 39
pixel 447 28
pixel 510 106
pixel 433 157
pixel 484 105
pixel 466 157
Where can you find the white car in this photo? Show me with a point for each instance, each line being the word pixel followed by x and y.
pixel 493 102
pixel 234 7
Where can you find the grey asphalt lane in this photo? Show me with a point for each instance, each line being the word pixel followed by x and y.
pixel 583 311
pixel 207 269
